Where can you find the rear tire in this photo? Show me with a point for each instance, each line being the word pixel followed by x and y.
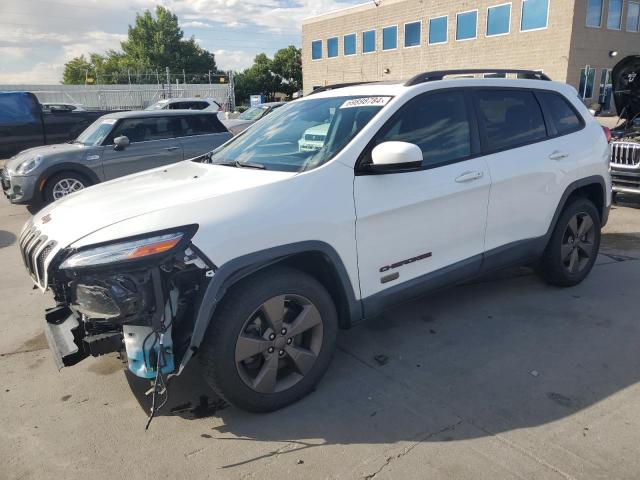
pixel 62 184
pixel 573 246
pixel 270 340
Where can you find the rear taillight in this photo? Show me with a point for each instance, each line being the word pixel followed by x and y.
pixel 607 133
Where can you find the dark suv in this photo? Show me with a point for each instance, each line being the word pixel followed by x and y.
pixel 625 149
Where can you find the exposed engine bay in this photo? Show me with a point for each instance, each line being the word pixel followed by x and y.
pixel 625 147
pixel 142 308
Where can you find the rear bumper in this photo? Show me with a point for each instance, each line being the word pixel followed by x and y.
pixel 18 189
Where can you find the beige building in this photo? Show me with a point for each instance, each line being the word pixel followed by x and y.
pixel 573 41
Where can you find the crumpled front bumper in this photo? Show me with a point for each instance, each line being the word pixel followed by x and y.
pixel 63 332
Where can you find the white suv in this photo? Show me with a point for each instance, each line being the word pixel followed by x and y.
pixel 251 258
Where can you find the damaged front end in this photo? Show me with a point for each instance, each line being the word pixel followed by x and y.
pixel 137 296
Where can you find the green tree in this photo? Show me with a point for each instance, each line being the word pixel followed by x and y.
pixel 287 64
pixel 76 71
pixel 152 44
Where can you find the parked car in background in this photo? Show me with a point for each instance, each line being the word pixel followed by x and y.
pixel 62 107
pixel 625 147
pixel 251 260
pixel 24 123
pixel 250 116
pixel 313 138
pixel 114 145
pixel 206 104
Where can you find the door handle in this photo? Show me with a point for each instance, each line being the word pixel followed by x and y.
pixel 170 149
pixel 469 177
pixel 558 155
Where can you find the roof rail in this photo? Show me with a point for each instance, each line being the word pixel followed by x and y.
pixel 337 85
pixel 440 74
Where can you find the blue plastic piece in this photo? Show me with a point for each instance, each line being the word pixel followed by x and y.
pixel 140 342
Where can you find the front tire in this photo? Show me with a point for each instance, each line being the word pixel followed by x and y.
pixel 270 341
pixel 63 184
pixel 574 245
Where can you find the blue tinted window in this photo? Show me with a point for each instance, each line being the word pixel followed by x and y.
pixel 369 41
pixel 633 17
pixel 534 14
pixel 498 19
pixel 17 108
pixel 316 49
pixel 389 38
pixel 412 34
pixel 614 19
pixel 594 13
pixel 587 81
pixel 438 30
pixel 349 46
pixel 466 25
pixel 332 47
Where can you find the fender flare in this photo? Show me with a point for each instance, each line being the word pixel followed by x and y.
pixel 572 188
pixel 66 167
pixel 234 270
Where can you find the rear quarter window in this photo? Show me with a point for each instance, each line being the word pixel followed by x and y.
pixel 201 125
pixel 510 118
pixel 563 115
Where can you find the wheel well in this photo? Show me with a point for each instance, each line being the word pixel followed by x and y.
pixel 318 266
pixel 42 183
pixel 593 192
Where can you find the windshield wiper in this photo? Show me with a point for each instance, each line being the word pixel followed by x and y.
pixel 239 164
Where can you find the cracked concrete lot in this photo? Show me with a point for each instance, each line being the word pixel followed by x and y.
pixel 504 377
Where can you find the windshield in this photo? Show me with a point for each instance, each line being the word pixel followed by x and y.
pixel 158 105
pixel 96 132
pixel 301 135
pixel 254 113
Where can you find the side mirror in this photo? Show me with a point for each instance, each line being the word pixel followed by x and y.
pixel 120 143
pixel 390 156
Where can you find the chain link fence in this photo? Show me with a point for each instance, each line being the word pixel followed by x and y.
pixel 128 97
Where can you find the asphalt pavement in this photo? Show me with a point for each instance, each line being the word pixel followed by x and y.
pixel 504 377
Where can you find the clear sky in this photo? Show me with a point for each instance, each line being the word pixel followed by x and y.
pixel 38 36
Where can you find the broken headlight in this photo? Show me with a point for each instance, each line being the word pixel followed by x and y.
pixel 132 249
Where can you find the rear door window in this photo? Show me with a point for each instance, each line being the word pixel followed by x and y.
pixel 437 123
pixel 510 118
pixel 147 129
pixel 564 117
pixel 201 125
pixel 189 105
pixel 17 108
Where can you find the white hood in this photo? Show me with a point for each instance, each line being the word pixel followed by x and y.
pixel 72 218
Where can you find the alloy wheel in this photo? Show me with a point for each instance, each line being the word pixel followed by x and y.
pixel 578 243
pixel 279 343
pixel 65 186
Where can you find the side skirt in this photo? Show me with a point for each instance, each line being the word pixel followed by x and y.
pixel 517 253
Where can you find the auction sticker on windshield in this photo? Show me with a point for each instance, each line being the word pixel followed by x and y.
pixel 366 102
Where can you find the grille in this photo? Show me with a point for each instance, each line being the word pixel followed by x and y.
pixel 35 250
pixel 625 153
pixel 314 138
